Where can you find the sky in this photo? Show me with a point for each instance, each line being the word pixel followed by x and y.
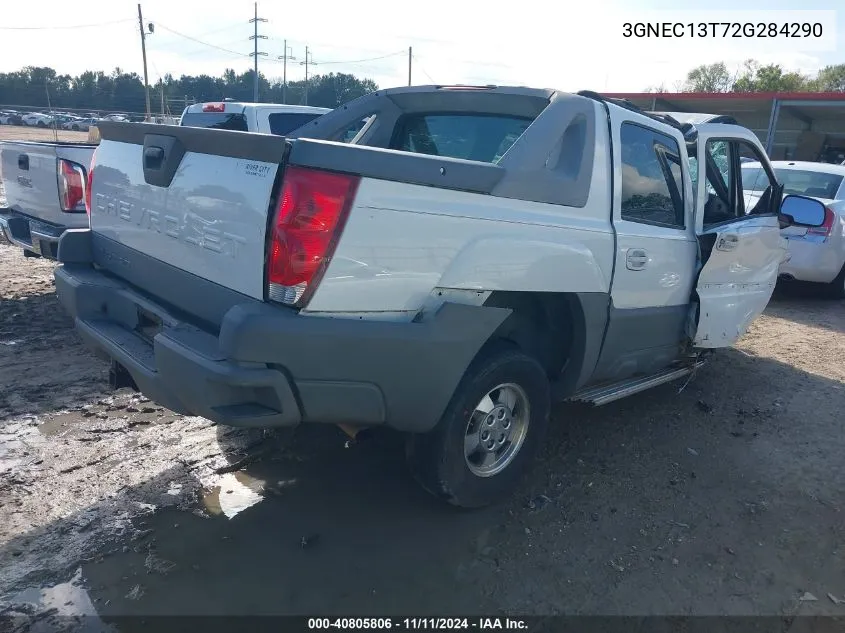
pixel 570 46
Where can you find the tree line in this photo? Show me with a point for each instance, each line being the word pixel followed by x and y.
pixel 753 76
pixel 119 91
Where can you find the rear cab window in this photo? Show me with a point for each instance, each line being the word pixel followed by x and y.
pixel 469 136
pixel 216 120
pixel 283 123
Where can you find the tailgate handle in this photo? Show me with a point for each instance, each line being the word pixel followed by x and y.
pixel 23 162
pixel 153 157
pixel 161 158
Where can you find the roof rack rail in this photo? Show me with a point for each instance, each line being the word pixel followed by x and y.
pixel 624 103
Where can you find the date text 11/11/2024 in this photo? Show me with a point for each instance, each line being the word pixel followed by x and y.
pixel 417 624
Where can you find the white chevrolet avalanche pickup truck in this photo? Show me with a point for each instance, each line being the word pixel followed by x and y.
pixel 468 255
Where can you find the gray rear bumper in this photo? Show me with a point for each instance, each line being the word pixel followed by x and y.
pixel 30 234
pixel 270 366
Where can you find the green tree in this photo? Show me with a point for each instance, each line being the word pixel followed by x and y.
pixel 122 91
pixel 709 78
pixel 830 79
pixel 770 78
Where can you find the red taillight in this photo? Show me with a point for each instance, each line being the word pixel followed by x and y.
pixel 825 229
pixel 214 107
pixel 313 206
pixel 90 183
pixel 71 186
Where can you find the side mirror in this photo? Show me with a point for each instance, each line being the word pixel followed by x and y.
pixel 803 211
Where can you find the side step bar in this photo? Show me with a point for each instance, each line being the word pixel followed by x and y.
pixel 604 394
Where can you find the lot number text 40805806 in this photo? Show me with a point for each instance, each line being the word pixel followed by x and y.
pixel 417 624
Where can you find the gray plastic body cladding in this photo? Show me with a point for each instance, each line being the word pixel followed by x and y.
pixel 640 341
pixel 416 366
pixel 590 319
pixel 265 148
pixel 384 164
pixel 388 105
pixel 552 161
pixel 272 367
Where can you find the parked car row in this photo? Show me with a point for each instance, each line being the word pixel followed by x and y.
pixel 64 120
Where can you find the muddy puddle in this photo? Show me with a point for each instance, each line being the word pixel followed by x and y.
pixel 235 493
pixel 62 607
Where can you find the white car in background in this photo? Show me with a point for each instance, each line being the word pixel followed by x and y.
pixel 37 119
pixel 815 254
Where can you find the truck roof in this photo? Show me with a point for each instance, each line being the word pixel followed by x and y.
pixel 241 106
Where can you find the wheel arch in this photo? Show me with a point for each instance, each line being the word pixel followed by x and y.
pixel 562 330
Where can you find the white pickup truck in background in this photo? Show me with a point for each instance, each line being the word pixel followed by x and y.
pixel 467 256
pixel 45 185
pixel 264 118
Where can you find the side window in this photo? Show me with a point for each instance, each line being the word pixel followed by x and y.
pixel 736 184
pixel 349 134
pixel 652 181
pixel 755 192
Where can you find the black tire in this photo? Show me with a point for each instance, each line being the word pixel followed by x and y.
pixel 836 288
pixel 74 127
pixel 436 459
pixel 41 124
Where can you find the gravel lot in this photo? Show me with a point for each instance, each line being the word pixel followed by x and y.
pixel 723 498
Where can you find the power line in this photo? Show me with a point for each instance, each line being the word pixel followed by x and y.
pixel 416 59
pixel 193 39
pixel 57 28
pixel 361 61
pixel 256 52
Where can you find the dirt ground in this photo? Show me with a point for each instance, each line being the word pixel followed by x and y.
pixel 25 133
pixel 725 497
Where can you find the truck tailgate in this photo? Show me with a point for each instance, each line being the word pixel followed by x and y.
pixel 193 198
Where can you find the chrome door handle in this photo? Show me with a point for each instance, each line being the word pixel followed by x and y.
pixel 636 259
pixel 727 242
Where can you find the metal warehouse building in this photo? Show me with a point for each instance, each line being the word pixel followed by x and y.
pixel 791 125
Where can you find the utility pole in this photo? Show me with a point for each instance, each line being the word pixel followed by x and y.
pixel 410 57
pixel 309 60
pixel 285 59
pixel 144 53
pixel 255 52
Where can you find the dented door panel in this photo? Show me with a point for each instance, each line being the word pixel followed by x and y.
pixel 738 278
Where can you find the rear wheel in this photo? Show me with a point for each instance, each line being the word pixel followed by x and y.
pixel 489 434
pixel 42 124
pixel 836 289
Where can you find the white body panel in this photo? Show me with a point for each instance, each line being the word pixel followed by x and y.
pixel 667 277
pixel 401 241
pixel 738 280
pixel 213 231
pixel 739 277
pixel 35 191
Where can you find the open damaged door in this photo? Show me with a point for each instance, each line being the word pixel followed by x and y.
pixel 739 235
